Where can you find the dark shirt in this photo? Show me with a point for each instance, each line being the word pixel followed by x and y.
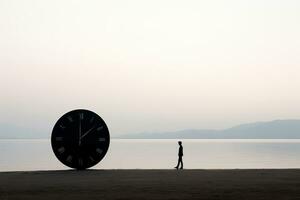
pixel 180 152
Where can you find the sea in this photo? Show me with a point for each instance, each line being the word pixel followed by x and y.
pixel 37 154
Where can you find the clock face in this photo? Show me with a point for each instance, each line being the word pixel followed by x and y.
pixel 80 139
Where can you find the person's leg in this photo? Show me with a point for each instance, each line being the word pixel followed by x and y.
pixel 178 163
pixel 181 162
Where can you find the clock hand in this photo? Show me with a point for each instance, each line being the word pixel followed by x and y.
pixel 87 132
pixel 79 131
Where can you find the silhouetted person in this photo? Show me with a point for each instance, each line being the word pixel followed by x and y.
pixel 180 154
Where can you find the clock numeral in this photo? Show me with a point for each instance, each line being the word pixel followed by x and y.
pixel 69 158
pixel 59 139
pixel 92 120
pixel 81 116
pixel 80 162
pixel 101 139
pixel 61 150
pixel 98 150
pixel 62 126
pixel 100 128
pixel 91 159
pixel 70 119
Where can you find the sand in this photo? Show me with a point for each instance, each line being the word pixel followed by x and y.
pixel 151 184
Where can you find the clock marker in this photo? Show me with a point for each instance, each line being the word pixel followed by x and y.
pixel 61 150
pixel 70 119
pixel 100 128
pixel 91 159
pixel 80 163
pixel 92 120
pixel 81 116
pixel 59 139
pixel 98 150
pixel 62 127
pixel 101 139
pixel 69 158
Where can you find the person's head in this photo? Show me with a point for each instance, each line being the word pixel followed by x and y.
pixel 179 142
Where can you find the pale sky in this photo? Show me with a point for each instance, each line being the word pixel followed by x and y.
pixel 150 65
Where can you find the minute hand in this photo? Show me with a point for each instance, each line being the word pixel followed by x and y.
pixel 87 132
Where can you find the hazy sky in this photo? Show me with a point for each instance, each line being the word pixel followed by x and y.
pixel 150 65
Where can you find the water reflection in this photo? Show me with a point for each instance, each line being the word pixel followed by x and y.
pixel 160 154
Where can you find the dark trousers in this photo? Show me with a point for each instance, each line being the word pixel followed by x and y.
pixel 179 162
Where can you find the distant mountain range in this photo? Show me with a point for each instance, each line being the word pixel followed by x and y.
pixel 278 129
pixel 10 131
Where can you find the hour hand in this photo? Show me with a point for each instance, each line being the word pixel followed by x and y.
pixel 87 132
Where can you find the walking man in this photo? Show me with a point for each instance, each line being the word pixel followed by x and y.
pixel 180 154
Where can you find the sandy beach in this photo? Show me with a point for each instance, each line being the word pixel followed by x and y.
pixel 151 184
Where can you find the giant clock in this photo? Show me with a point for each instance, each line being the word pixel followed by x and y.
pixel 80 139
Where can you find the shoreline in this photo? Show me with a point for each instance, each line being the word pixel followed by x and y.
pixel 142 169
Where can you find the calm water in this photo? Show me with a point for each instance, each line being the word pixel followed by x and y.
pixel 160 154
